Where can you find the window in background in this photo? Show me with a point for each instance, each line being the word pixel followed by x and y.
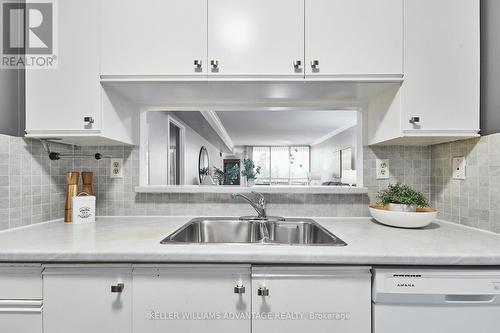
pixel 262 157
pixel 299 165
pixel 282 165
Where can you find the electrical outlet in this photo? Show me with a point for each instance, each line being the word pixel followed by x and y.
pixel 116 168
pixel 382 169
pixel 459 166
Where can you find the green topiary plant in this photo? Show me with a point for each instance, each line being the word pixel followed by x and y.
pixel 231 175
pixel 403 195
pixel 250 171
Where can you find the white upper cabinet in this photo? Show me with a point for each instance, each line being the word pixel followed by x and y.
pixel 68 102
pixel 439 98
pixel 154 37
pixel 354 37
pixel 58 100
pixel 442 66
pixel 258 38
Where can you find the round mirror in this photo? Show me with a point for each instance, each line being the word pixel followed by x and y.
pixel 203 163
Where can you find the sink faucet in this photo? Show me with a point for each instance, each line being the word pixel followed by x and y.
pixel 260 208
pixel 259 205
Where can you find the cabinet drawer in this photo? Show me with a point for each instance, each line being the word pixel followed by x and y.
pixel 20 282
pixel 21 316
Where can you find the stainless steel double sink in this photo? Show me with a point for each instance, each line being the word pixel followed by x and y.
pixel 234 230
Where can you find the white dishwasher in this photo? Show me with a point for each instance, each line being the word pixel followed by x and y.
pixel 436 301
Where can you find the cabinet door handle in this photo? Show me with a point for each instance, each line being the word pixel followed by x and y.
pixel 239 289
pixel 297 64
pixel 315 64
pixel 263 291
pixel 118 288
pixel 198 64
pixel 414 120
pixel 214 64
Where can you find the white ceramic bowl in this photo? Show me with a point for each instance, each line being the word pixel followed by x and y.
pixel 411 220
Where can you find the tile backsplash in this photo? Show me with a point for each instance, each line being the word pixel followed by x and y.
pixel 32 188
pixel 407 164
pixel 474 201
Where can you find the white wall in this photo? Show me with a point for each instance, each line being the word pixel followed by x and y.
pixel 157 147
pixel 322 153
pixel 194 142
pixel 158 150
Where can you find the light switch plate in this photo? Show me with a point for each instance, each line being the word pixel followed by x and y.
pixel 116 168
pixel 459 166
pixel 382 168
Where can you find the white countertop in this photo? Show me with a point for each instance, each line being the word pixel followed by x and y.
pixel 137 240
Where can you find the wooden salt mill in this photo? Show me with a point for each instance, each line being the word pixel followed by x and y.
pixel 87 178
pixel 71 191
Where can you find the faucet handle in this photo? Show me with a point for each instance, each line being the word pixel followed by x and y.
pixel 262 199
pixel 262 202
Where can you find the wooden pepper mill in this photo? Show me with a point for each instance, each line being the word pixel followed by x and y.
pixel 87 178
pixel 72 191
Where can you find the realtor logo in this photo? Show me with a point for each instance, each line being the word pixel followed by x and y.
pixel 28 34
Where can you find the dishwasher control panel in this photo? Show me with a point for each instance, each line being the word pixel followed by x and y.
pixel 432 281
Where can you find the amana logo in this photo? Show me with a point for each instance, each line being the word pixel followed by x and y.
pixel 405 285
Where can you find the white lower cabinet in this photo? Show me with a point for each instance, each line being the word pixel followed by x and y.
pixel 20 298
pixel 192 298
pixel 84 299
pixel 260 299
pixel 311 299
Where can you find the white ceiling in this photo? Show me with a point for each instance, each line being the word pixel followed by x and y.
pixel 273 128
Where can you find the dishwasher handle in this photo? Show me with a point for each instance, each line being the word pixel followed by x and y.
pixel 475 299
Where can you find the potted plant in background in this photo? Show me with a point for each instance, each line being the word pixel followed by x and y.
pixel 219 176
pixel 402 198
pixel 250 171
pixel 227 177
pixel 231 175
